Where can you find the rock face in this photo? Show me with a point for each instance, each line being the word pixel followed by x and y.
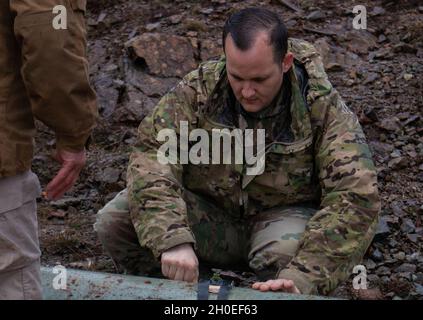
pixel 163 55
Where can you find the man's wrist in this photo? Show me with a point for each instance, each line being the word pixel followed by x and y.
pixel 299 278
pixel 71 144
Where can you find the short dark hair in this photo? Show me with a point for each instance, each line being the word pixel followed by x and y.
pixel 244 25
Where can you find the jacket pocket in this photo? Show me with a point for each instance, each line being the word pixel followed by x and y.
pixel 288 171
pixel 18 190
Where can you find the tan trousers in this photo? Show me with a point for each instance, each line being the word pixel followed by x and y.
pixel 19 246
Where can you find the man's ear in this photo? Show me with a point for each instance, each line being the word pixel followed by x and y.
pixel 287 62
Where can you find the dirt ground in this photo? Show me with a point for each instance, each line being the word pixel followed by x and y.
pixel 378 72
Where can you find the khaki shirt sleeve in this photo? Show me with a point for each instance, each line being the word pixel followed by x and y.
pixel 55 69
pixel 157 209
pixel 338 235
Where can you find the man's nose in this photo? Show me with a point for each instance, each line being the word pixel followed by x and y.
pixel 248 92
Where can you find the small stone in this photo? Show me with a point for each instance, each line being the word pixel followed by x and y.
pixel 175 19
pixel 371 77
pixel 370 264
pixel 406 267
pixel 382 148
pixel 408 76
pixel 377 11
pixel 407 226
pixel 398 163
pixel 110 67
pixel 413 237
pixel 377 255
pixel 405 275
pixel 119 83
pixel 396 209
pixel 392 124
pixel 152 26
pixel 419 277
pixel 67 202
pixel 396 153
pixel 316 15
pixel 369 294
pixel 400 256
pixel 389 260
pixel 414 257
pixel 419 289
pixel 110 175
pixel 393 243
pixel 381 38
pixel 383 271
pixel 101 17
pixel 207 11
pixel 373 278
pixel 60 214
pixel 382 230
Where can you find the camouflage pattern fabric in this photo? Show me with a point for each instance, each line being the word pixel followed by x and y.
pixel 321 158
pixel 267 242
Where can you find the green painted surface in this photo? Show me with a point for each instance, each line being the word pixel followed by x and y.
pixel 86 285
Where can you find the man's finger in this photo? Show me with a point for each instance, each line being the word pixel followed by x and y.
pixel 264 287
pixel 192 276
pixel 172 272
pixel 256 285
pixel 165 269
pixel 62 189
pixel 288 284
pixel 63 181
pixel 179 275
pixel 60 176
pixel 63 185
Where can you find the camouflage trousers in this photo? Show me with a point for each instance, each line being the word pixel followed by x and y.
pixel 266 241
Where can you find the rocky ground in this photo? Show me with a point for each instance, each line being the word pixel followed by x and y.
pixel 140 49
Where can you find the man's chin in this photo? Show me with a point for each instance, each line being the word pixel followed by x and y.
pixel 252 107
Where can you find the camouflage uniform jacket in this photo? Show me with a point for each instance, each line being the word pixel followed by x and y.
pixel 322 158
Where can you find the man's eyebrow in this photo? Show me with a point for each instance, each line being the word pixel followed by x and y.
pixel 255 78
pixel 234 75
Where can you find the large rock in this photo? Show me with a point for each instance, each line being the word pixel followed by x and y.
pixel 335 57
pixel 359 41
pixel 210 49
pixel 137 105
pixel 163 55
pixel 149 85
pixel 392 124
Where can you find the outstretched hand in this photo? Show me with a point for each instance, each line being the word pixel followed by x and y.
pixel 72 164
pixel 277 285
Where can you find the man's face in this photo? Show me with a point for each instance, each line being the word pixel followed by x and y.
pixel 254 75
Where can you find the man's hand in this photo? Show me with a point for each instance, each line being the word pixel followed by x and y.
pixel 72 164
pixel 277 285
pixel 180 263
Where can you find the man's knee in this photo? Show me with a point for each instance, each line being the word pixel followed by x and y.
pixel 113 220
pixel 275 238
pixel 117 234
pixel 114 226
